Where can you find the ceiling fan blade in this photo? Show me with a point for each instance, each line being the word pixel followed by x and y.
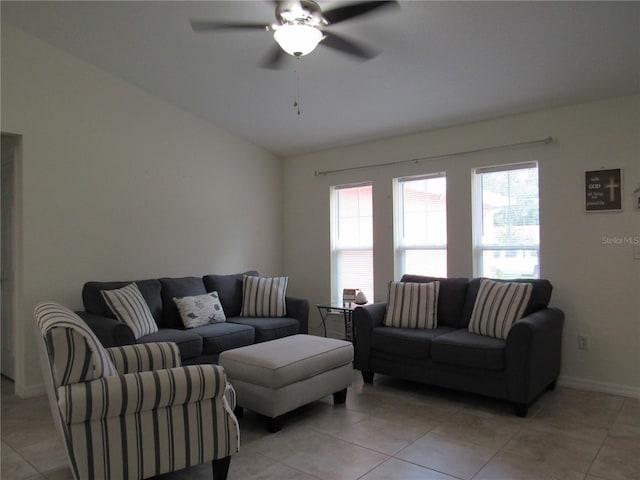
pixel 212 25
pixel 344 45
pixel 347 12
pixel 275 59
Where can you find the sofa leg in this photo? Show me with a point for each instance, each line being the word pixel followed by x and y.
pixel 552 386
pixel 340 397
pixel 521 409
pixel 273 424
pixel 367 376
pixel 221 468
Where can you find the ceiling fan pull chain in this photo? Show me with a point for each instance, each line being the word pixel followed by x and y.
pixel 296 102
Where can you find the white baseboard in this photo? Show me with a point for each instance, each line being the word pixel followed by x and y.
pixel 601 387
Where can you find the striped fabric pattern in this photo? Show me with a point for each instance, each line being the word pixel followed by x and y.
pixel 130 307
pixel 264 296
pixel 156 424
pixel 74 352
pixel 134 425
pixel 153 442
pixel 143 357
pixel 412 305
pixel 230 396
pixel 498 305
pixel 137 392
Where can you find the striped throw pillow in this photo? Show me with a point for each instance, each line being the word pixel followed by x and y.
pixel 264 296
pixel 130 307
pixel 498 305
pixel 412 305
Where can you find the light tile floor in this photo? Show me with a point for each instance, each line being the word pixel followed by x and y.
pixel 389 430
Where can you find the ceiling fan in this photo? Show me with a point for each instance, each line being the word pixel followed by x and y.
pixel 300 26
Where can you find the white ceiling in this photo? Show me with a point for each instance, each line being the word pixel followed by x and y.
pixel 441 63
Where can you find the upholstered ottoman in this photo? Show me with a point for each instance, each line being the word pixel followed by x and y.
pixel 275 377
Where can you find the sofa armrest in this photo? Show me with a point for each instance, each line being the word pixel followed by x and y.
pixel 298 308
pixel 533 353
pixel 365 319
pixel 110 332
pixel 144 357
pixel 120 395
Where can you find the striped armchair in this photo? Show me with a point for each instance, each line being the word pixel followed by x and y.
pixel 133 411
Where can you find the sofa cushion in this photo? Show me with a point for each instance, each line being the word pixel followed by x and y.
pixel 497 306
pixel 177 287
pixel 269 328
pixel 451 298
pixel 264 296
pixel 200 310
pixel 461 347
pixel 229 288
pixel 412 305
pixel 540 296
pixel 408 342
pixel 218 337
pixel 94 302
pixel 129 306
pixel 189 343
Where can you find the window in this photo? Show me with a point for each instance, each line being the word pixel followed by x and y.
pixel 352 239
pixel 506 222
pixel 421 225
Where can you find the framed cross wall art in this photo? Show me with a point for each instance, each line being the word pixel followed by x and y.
pixel 603 190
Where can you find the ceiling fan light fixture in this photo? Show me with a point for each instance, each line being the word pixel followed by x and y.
pixel 298 40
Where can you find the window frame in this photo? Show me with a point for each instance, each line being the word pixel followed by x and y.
pixel 477 217
pixel 336 250
pixel 399 246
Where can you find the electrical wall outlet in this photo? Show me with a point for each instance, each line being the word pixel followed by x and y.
pixel 584 342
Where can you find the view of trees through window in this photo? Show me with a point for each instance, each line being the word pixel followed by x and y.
pixel 509 239
pixel 506 227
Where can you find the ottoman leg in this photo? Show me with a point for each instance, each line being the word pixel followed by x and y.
pixel 273 424
pixel 340 397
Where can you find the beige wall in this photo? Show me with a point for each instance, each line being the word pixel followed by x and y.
pixel 595 283
pixel 117 184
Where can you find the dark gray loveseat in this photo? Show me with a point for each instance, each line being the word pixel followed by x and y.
pixel 197 345
pixel 517 369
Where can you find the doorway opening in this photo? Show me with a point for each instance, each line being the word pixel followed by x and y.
pixel 10 146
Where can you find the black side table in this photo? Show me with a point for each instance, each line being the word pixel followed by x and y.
pixel 346 309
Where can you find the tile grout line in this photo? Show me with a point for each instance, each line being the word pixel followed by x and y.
pixel 604 440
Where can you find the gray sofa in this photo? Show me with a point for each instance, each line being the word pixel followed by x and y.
pixel 517 369
pixel 197 345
